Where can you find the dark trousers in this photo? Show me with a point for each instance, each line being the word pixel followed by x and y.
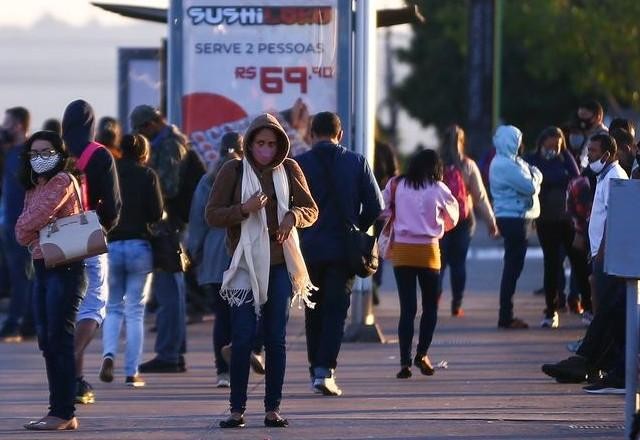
pixel 515 232
pixel 57 296
pixel 20 274
pixel 324 325
pixel 221 325
pixel 275 314
pixel 429 281
pixel 556 238
pixel 605 336
pixel 454 246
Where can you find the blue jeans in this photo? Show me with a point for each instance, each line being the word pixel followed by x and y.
pixel 275 314
pixel 324 324
pixel 515 232
pixel 20 274
pixel 56 299
pixel 169 290
pixel 454 247
pixel 130 269
pixel 429 281
pixel 94 304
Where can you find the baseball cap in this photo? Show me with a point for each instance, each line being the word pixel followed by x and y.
pixel 143 114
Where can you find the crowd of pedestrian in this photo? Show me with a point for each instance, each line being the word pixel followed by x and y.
pixel 261 230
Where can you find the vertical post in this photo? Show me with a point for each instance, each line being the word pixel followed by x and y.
pixel 631 356
pixel 362 327
pixel 480 80
pixel 174 69
pixel 497 62
pixel 345 69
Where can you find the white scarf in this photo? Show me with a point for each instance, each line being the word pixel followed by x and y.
pixel 251 261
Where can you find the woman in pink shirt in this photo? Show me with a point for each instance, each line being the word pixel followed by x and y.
pixel 58 291
pixel 424 210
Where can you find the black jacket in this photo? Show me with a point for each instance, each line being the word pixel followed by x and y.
pixel 141 201
pixel 78 130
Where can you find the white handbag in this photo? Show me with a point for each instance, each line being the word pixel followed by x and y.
pixel 73 238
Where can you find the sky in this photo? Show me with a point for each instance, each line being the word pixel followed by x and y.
pixel 79 12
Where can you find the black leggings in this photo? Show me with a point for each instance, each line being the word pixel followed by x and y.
pixel 555 236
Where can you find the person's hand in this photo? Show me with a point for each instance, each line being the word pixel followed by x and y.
pixel 284 230
pixel 493 230
pixel 300 116
pixel 579 242
pixel 255 203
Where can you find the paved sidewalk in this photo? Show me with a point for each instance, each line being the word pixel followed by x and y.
pixel 493 388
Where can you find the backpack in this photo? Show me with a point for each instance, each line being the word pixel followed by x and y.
pixel 191 171
pixel 455 182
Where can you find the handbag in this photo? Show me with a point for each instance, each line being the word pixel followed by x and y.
pixel 72 238
pixel 362 248
pixel 385 240
pixel 166 248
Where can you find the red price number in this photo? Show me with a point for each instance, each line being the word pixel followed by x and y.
pixel 273 79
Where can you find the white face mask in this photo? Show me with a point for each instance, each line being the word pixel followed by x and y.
pixel 41 165
pixel 597 166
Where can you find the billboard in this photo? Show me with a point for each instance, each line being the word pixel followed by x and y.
pixel 242 58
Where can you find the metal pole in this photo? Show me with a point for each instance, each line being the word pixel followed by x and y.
pixel 497 62
pixel 174 69
pixel 631 356
pixel 363 326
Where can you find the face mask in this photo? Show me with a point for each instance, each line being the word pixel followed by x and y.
pixel 597 165
pixel 586 124
pixel 549 154
pixel 264 156
pixel 576 141
pixel 41 165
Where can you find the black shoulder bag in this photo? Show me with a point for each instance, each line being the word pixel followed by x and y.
pixel 362 248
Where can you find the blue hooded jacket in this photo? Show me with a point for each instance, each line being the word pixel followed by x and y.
pixel 514 183
pixel 78 130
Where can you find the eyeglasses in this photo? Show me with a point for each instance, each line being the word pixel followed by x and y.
pixel 44 154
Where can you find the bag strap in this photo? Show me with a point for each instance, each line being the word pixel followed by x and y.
pixel 76 187
pixel 329 179
pixel 392 203
pixel 84 158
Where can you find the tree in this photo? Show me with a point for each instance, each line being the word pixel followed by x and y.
pixel 556 54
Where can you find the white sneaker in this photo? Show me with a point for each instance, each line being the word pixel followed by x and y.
pixel 223 381
pixel 587 317
pixel 552 322
pixel 327 386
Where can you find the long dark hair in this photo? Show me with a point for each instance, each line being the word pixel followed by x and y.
pixel 449 151
pixel 425 168
pixel 27 176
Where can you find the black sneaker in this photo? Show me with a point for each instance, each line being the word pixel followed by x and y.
pixel 10 335
pixel 570 370
pixel 135 381
pixel 106 371
pixel 156 365
pixel 84 392
pixel 606 385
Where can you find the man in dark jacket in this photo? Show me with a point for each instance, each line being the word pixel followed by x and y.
pixel 103 193
pixel 342 185
pixel 13 134
pixel 168 150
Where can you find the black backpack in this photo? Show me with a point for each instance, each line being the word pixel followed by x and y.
pixel 191 171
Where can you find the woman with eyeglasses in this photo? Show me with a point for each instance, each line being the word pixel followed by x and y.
pixel 50 193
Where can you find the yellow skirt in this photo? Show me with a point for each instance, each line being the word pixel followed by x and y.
pixel 416 255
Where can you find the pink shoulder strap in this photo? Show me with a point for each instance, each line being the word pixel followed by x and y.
pixel 86 155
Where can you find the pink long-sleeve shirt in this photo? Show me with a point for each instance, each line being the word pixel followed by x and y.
pixel 422 215
pixel 55 198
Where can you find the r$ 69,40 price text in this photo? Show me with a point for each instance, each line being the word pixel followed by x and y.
pixel 273 79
